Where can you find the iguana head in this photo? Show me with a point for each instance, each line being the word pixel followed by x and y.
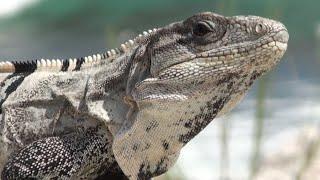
pixel 183 76
pixel 204 48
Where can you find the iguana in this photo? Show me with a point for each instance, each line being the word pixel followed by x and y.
pixel 131 110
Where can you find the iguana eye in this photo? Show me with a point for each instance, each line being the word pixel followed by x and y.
pixel 260 28
pixel 202 28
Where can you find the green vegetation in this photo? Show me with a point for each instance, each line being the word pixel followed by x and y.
pixel 141 14
pixel 258 126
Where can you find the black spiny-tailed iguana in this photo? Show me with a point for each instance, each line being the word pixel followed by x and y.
pixel 132 109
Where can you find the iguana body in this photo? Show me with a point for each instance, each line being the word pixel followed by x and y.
pixel 131 110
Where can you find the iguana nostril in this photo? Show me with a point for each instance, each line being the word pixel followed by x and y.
pixel 282 36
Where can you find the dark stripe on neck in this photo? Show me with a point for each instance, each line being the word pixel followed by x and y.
pixel 78 64
pixel 25 66
pixel 6 89
pixel 65 65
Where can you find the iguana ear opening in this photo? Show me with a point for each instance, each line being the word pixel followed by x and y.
pixel 140 68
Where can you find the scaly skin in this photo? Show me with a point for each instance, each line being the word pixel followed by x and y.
pixel 142 107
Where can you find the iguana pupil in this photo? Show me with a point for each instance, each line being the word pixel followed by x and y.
pixel 202 28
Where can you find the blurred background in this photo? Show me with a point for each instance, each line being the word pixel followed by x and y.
pixel 273 134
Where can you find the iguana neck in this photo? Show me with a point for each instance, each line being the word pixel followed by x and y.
pixel 107 90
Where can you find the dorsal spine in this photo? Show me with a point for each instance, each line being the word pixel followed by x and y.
pixel 71 64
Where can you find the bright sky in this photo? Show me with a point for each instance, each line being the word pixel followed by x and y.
pixel 7 7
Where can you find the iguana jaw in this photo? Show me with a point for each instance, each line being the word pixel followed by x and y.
pixel 242 56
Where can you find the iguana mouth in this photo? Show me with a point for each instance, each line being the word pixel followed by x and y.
pixel 233 56
pixel 232 61
pixel 273 43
